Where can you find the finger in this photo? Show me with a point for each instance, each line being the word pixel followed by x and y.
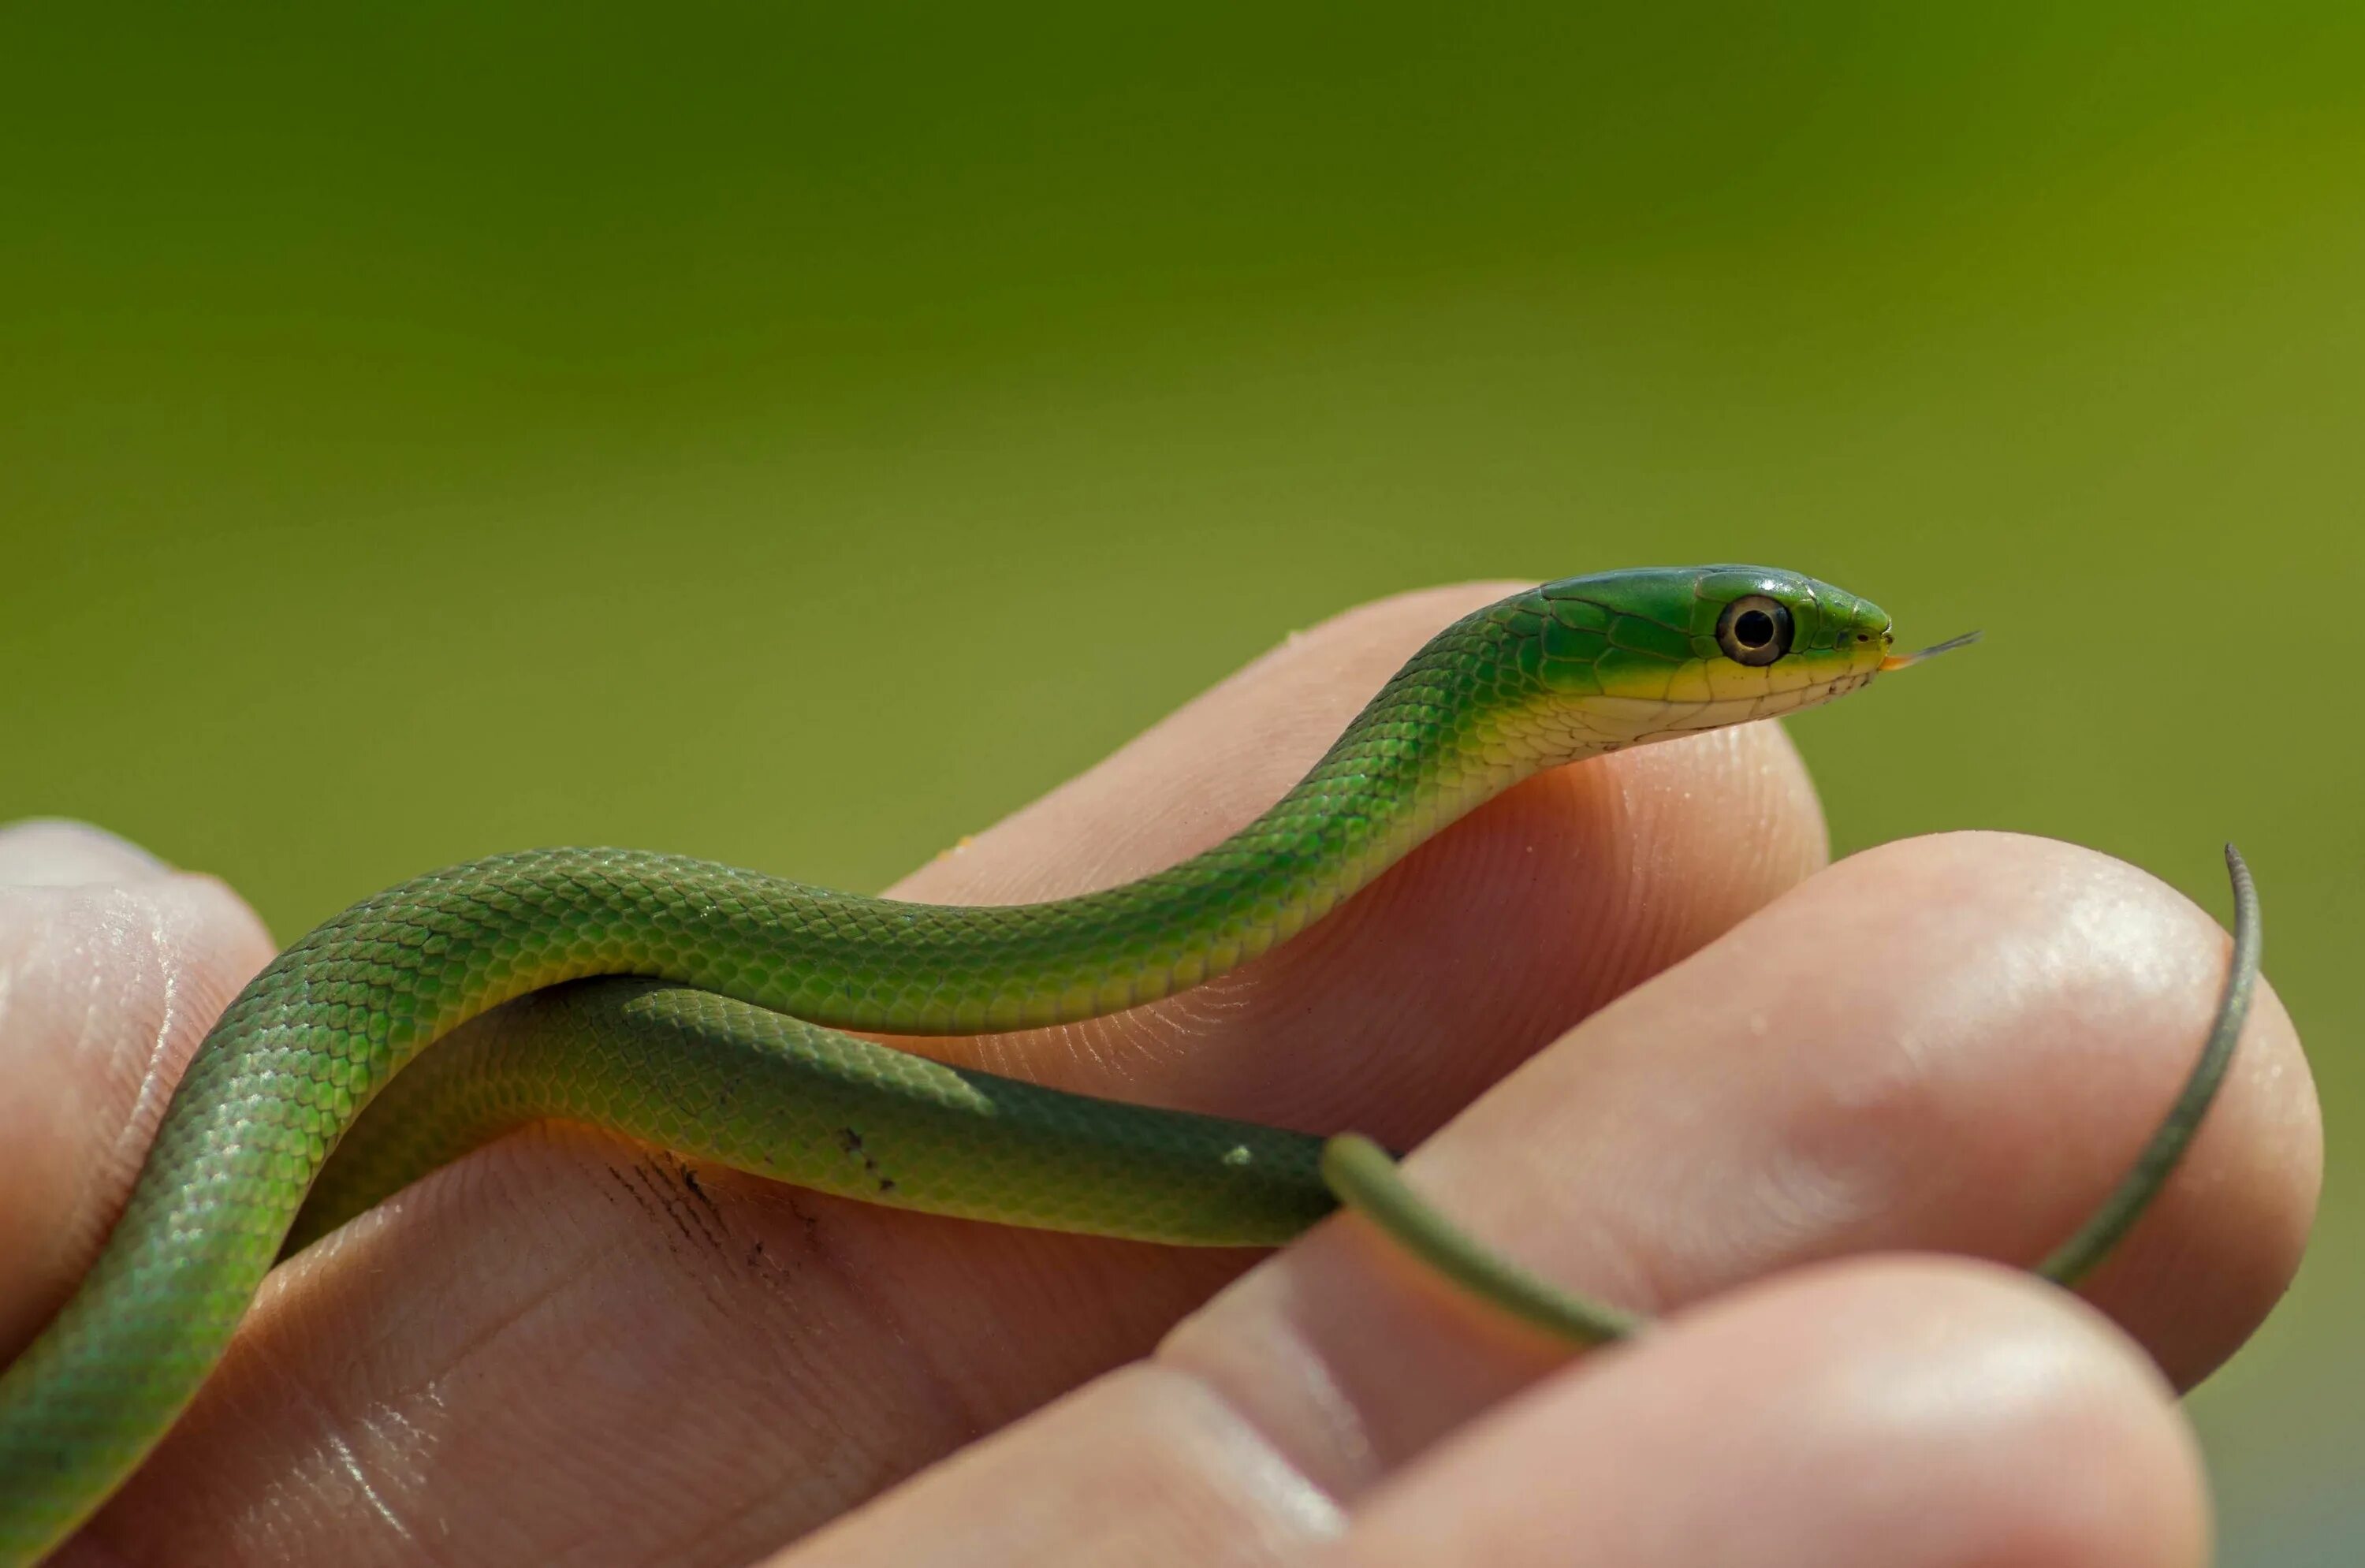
pixel 1955 1043
pixel 51 852
pixel 531 1316
pixel 1898 1414
pixel 112 966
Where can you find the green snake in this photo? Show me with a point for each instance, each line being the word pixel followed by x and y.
pixel 723 1042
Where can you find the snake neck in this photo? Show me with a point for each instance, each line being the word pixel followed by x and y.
pixel 1459 724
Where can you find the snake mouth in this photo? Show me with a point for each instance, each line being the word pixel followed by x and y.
pixel 1621 720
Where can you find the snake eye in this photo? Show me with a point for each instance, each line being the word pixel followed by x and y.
pixel 1754 630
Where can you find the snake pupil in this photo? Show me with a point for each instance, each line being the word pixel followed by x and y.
pixel 1754 629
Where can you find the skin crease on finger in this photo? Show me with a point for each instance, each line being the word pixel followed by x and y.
pixel 502 1362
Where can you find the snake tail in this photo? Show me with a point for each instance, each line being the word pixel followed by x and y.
pixel 1367 1180
pixel 2093 1242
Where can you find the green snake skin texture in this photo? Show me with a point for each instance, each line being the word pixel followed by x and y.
pixel 760 1091
pixel 1564 671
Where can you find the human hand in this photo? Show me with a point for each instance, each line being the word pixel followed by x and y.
pixel 568 1349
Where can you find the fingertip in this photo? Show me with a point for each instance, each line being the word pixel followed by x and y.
pixel 57 852
pixel 2104 978
pixel 2222 1241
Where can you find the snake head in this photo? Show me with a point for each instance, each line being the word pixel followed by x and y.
pixel 1626 657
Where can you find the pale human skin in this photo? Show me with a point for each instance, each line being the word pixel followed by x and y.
pixel 1703 1075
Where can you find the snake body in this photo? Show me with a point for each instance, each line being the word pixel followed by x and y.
pixel 726 1046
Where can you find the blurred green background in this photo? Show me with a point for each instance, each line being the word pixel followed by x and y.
pixel 405 411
